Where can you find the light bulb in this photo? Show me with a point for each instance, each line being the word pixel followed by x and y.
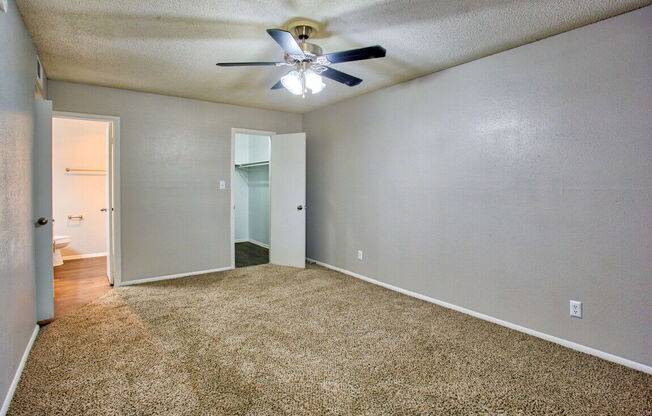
pixel 292 82
pixel 314 82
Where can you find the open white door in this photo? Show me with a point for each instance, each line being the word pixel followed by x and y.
pixel 109 210
pixel 43 210
pixel 287 177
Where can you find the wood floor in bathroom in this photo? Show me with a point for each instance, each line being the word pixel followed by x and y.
pixel 78 282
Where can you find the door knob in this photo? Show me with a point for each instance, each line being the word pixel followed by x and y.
pixel 300 207
pixel 103 209
pixel 41 221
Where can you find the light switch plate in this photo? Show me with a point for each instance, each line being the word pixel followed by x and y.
pixel 222 184
pixel 3 5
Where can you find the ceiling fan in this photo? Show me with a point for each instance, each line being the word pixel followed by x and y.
pixel 307 62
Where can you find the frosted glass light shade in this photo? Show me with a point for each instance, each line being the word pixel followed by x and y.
pixel 314 82
pixel 292 82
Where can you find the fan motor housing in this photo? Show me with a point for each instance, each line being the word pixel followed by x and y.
pixel 310 48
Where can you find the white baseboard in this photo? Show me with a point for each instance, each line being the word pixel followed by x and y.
pixel 84 256
pixel 569 344
pixel 19 372
pixel 241 240
pixel 258 243
pixel 173 276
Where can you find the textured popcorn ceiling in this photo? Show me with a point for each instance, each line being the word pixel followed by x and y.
pixel 171 47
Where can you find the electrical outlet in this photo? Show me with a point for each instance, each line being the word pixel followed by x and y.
pixel 222 184
pixel 360 255
pixel 576 309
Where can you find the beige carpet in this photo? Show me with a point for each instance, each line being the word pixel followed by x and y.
pixel 269 340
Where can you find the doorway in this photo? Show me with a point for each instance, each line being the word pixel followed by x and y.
pixel 80 201
pixel 251 193
pixel 281 187
pixel 79 192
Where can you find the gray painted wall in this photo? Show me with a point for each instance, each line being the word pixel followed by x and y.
pixel 173 153
pixel 17 292
pixel 508 185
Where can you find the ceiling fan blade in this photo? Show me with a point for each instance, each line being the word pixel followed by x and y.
pixel 277 86
pixel 340 76
pixel 369 52
pixel 249 63
pixel 287 42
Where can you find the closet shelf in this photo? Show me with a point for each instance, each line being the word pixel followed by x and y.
pixel 252 164
pixel 86 170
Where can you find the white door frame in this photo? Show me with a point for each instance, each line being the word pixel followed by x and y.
pixel 235 131
pixel 113 172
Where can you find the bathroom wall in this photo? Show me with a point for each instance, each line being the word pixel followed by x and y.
pixel 173 153
pixel 17 284
pixel 508 185
pixel 80 144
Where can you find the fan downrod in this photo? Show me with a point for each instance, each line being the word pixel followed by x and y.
pixel 303 32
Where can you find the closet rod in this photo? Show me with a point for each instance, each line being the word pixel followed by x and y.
pixel 252 164
pixel 85 170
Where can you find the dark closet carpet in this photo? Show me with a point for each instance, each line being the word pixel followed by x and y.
pixel 269 340
pixel 250 254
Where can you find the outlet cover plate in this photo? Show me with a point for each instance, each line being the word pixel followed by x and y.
pixel 576 309
pixel 360 255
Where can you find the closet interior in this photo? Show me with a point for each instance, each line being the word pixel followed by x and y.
pixel 251 199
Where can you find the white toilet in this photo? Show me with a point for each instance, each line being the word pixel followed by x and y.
pixel 60 241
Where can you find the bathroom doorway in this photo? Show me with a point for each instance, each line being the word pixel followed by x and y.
pixel 84 228
pixel 251 197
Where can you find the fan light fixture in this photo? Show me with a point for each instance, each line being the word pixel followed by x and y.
pixel 299 82
pixel 314 82
pixel 293 82
pixel 308 63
